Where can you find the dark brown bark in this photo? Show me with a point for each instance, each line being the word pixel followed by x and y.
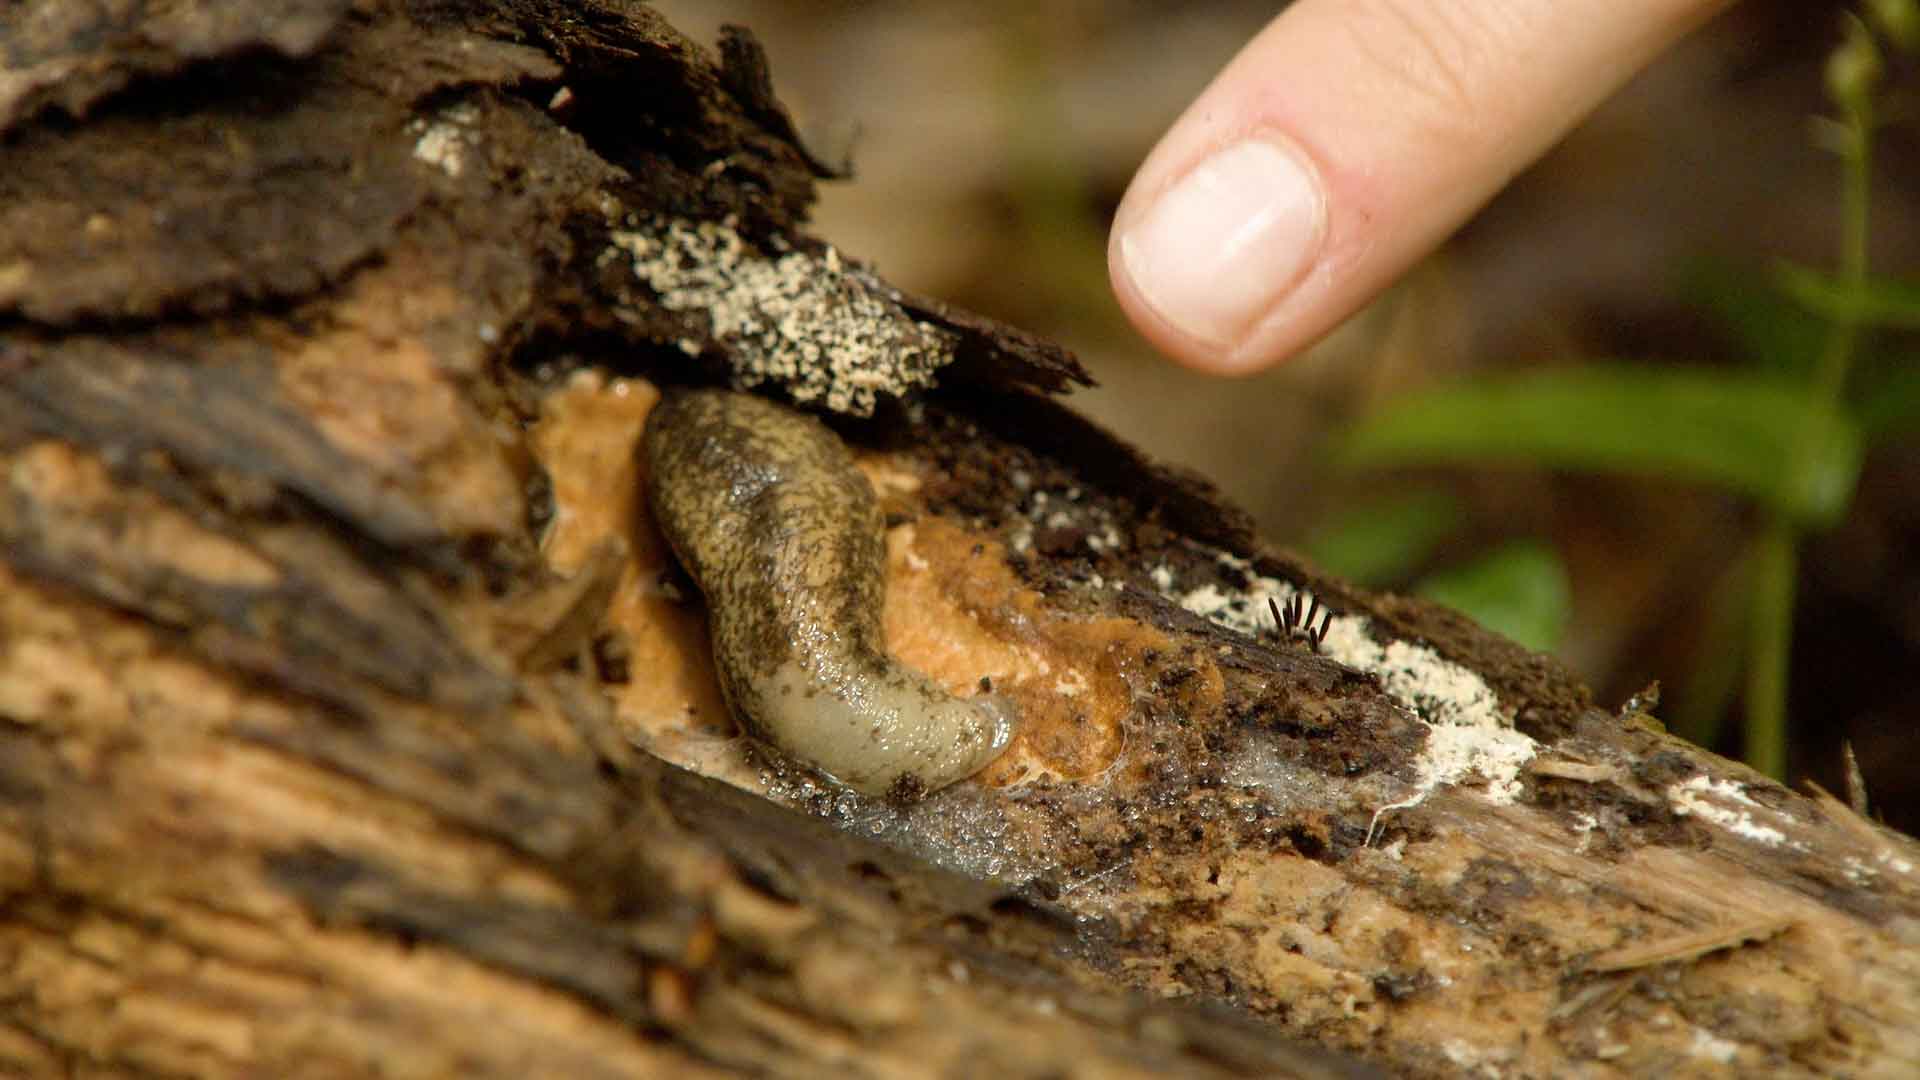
pixel 313 762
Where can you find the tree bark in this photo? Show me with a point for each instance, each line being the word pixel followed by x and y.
pixel 345 726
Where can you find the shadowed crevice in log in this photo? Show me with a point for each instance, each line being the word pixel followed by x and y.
pixel 556 946
pixel 486 777
pixel 996 355
pixel 213 443
pixel 208 416
pixel 1182 500
pixel 795 856
pixel 654 103
pixel 252 179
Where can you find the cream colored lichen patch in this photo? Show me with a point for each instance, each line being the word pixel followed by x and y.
pixel 794 318
pixel 1726 804
pixel 1470 733
pixel 445 141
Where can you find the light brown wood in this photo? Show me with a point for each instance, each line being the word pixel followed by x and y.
pixel 327 748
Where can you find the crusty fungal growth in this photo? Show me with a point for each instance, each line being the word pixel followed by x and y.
pixel 446 140
pixel 799 320
pixel 766 510
pixel 1469 733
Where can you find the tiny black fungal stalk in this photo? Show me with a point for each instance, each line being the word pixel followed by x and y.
pixel 1296 620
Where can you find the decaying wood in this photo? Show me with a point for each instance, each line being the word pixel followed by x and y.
pixel 343 716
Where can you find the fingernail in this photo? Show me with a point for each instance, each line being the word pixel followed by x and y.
pixel 1219 248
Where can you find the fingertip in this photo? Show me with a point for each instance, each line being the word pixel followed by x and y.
pixel 1343 144
pixel 1200 256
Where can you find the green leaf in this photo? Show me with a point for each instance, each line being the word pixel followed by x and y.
pixel 1382 541
pixel 1888 302
pixel 1778 335
pixel 1519 590
pixel 1890 407
pixel 1750 434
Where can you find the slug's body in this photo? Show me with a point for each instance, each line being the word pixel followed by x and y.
pixel 764 507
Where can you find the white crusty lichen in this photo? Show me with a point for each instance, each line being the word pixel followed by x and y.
pixel 1469 732
pixel 444 142
pixel 1724 803
pixel 1065 510
pixel 801 320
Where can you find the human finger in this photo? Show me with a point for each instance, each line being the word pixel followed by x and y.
pixel 1346 141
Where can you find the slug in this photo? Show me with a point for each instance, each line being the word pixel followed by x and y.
pixel 766 510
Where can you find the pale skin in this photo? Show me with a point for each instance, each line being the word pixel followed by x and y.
pixel 1344 143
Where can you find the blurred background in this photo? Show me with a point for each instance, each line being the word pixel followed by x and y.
pixel 991 142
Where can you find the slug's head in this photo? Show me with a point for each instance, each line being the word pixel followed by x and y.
pixel 961 737
pixel 881 735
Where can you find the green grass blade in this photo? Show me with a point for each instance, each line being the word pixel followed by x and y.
pixel 1753 435
pixel 1519 590
pixel 1892 303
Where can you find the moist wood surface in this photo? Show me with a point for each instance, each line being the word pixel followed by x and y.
pixel 309 762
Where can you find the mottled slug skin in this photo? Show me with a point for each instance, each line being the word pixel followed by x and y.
pixel 766 510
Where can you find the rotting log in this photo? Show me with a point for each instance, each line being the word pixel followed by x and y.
pixel 348 722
